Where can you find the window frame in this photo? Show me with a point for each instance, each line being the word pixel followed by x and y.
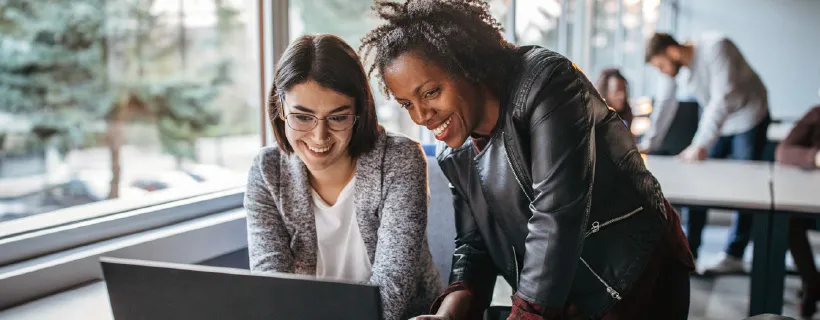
pixel 56 255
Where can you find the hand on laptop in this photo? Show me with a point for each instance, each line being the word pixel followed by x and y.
pixel 432 318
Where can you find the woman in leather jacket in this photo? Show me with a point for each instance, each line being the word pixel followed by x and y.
pixel 549 189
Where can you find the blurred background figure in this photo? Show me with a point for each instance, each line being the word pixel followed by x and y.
pixel 733 123
pixel 802 148
pixel 615 89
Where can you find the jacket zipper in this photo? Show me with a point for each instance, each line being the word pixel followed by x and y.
pixel 612 292
pixel 515 173
pixel 596 226
pixel 517 275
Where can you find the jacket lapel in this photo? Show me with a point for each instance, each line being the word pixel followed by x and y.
pixel 297 204
pixel 368 195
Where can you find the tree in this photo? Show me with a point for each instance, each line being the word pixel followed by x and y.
pixel 50 63
pixel 67 65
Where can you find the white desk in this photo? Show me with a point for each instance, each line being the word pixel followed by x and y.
pixel 729 184
pixel 796 189
pixel 89 302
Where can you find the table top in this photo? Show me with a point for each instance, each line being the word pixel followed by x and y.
pixel 796 189
pixel 728 184
pixel 89 302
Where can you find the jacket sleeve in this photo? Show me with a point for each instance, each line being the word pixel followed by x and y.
pixel 472 264
pixel 797 149
pixel 268 237
pixel 562 138
pixel 665 108
pixel 402 228
pixel 723 88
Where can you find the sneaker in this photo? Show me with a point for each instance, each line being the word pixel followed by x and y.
pixel 729 265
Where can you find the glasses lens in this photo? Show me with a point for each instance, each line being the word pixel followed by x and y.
pixel 301 122
pixel 340 122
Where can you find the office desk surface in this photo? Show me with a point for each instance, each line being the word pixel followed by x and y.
pixel 727 184
pixel 89 302
pixel 796 189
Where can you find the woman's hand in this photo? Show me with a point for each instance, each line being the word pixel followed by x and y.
pixel 455 306
pixel 432 317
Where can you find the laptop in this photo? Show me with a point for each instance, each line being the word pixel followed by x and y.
pixel 156 290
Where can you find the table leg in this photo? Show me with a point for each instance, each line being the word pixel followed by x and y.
pixel 778 243
pixel 761 232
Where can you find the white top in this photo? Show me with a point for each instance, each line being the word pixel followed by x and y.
pixel 732 96
pixel 341 251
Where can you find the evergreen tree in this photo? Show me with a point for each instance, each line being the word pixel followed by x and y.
pixel 72 65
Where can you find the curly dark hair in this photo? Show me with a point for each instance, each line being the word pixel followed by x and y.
pixel 460 36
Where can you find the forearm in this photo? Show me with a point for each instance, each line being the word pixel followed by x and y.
pixel 714 115
pixel 804 157
pixel 456 305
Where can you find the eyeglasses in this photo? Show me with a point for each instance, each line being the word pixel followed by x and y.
pixel 306 122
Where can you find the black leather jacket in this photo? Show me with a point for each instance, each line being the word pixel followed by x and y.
pixel 559 201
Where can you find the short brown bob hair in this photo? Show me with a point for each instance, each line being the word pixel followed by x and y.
pixel 332 63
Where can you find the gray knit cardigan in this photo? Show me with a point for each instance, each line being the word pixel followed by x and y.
pixel 391 210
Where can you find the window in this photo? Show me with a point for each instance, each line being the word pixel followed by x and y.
pixel 500 9
pixel 537 22
pixel 619 29
pixel 122 104
pixel 605 35
pixel 350 20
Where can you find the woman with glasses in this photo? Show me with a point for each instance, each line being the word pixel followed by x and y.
pixel 337 196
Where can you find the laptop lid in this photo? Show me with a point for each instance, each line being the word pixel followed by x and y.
pixel 157 290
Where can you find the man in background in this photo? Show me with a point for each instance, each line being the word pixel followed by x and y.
pixel 733 122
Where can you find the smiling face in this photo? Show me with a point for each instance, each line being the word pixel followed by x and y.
pixel 450 107
pixel 321 146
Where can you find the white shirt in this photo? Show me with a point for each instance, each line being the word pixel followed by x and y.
pixel 341 251
pixel 732 96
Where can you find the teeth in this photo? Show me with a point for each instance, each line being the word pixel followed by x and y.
pixel 442 127
pixel 318 150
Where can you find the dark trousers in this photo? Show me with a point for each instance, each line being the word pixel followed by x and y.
pixel 801 250
pixel 748 145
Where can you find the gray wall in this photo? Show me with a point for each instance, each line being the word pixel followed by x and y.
pixel 780 39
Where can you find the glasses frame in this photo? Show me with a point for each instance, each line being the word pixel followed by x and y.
pixel 317 119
